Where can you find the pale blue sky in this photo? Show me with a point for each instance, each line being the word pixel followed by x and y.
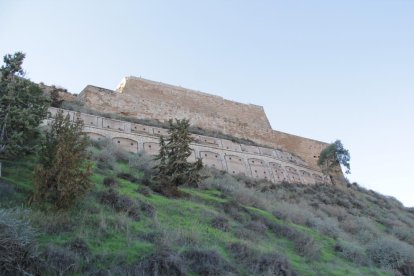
pixel 321 69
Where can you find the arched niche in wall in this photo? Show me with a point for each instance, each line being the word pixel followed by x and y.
pixel 278 172
pixel 151 148
pixel 126 144
pixel 95 136
pixel 211 159
pixel 235 164
pixel 293 175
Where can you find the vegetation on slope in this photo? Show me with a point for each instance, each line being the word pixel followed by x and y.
pixel 228 225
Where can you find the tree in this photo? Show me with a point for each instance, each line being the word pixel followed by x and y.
pixel 333 155
pixel 174 169
pixel 23 106
pixel 62 175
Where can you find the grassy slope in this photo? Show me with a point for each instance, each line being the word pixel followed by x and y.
pixel 114 239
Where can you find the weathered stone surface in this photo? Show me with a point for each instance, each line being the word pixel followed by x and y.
pixel 257 162
pixel 145 99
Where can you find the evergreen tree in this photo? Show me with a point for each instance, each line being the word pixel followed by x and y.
pixel 23 106
pixel 174 169
pixel 62 175
pixel 333 155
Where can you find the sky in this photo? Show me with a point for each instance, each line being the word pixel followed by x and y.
pixel 321 69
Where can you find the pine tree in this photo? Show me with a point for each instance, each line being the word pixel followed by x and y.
pixel 333 156
pixel 174 169
pixel 62 175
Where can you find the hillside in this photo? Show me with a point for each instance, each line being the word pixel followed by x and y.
pixel 227 226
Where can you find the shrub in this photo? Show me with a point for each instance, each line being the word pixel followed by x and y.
pixel 161 263
pixel 142 162
pixel 272 264
pixel 109 181
pixel 221 223
pixel 105 160
pixel 7 192
pixel 257 227
pixel 120 203
pixel 146 208
pixel 79 246
pixel 390 253
pixel 60 261
pixel 144 190
pixel 352 252
pixel 128 176
pixel 206 262
pixel 405 234
pixel 62 175
pixel 17 251
pixel 260 264
pixel 304 244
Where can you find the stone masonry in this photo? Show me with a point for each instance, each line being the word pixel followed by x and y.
pixel 145 99
pixel 257 162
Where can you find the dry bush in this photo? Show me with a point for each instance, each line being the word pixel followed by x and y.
pixel 105 160
pixel 109 181
pixel 7 192
pixel 220 223
pixel 405 234
pixel 121 203
pixel 160 263
pixel 17 248
pixel 327 226
pixel 273 264
pixel 233 209
pixel 80 247
pixel 142 162
pixel 146 208
pixel 304 244
pixel 334 211
pixel 206 262
pixel 128 176
pixel 60 261
pixel 257 226
pixel 390 253
pixel 144 190
pixel 352 252
pixel 260 264
pixel 298 214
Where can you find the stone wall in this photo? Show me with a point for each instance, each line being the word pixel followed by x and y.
pixel 257 162
pixel 145 99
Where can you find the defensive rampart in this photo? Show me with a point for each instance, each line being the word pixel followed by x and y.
pixel 257 162
pixel 145 99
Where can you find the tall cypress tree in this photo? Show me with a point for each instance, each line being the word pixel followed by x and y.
pixel 174 169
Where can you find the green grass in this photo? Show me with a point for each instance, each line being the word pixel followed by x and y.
pixel 113 238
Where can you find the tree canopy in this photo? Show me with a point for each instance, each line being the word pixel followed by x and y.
pixel 63 172
pixel 174 169
pixel 23 106
pixel 333 155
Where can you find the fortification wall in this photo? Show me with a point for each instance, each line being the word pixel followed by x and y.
pixel 257 162
pixel 144 99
